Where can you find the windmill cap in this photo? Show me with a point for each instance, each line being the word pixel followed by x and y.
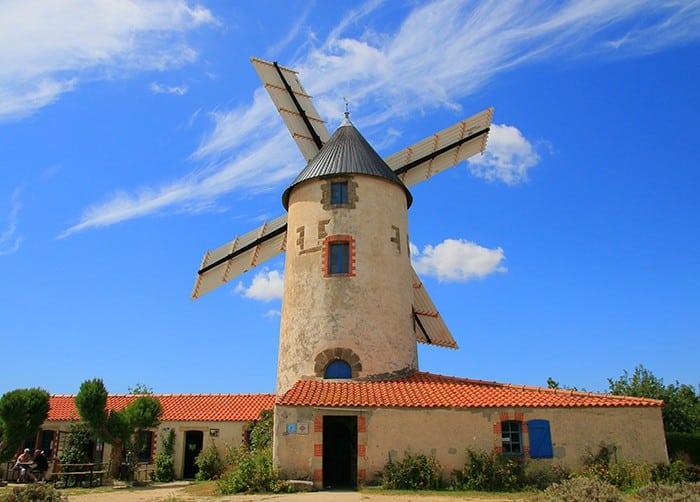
pixel 346 152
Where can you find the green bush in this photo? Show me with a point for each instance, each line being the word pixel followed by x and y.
pixel 580 489
pixel 624 475
pixel 672 473
pixel 33 493
pixel 540 476
pixel 261 431
pixel 415 472
pixel 491 472
pixel 163 468
pixel 250 471
pixel 164 465
pixel 209 464
pixel 684 444
pixel 655 492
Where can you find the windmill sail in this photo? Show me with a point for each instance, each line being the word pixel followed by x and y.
pixel 430 326
pixel 240 255
pixel 294 105
pixel 444 149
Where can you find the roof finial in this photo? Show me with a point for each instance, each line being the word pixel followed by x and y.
pixel 347 109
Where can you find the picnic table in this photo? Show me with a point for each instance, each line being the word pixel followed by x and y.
pixel 76 474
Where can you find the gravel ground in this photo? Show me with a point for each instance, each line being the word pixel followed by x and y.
pixel 174 492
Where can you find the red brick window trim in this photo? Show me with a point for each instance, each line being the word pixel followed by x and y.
pixel 335 239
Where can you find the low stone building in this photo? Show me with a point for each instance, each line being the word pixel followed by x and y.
pixel 198 420
pixel 342 432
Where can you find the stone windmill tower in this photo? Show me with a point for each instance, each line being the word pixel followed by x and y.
pixel 353 307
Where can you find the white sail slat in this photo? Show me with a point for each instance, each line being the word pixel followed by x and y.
pixel 240 255
pixel 442 150
pixel 293 119
pixel 436 331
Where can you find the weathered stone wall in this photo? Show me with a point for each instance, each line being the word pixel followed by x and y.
pixel 635 433
pixel 368 312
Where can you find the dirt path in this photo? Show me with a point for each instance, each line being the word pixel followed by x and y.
pixel 174 492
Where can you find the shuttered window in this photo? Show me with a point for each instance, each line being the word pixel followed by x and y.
pixel 339 192
pixel 540 439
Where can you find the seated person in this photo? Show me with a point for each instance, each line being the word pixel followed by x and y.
pixel 24 464
pixel 41 464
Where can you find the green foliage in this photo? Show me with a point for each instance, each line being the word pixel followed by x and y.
pixel 672 473
pixel 164 465
pixel 540 476
pixel 120 428
pixel 684 444
pixel 209 463
pixel 163 468
pixel 114 426
pixel 655 492
pixel 491 472
pixel 681 410
pixel 250 471
pixel 581 489
pixel 603 465
pixel 78 445
pixel 22 411
pixel 33 493
pixel 261 432
pixel 91 402
pixel 415 472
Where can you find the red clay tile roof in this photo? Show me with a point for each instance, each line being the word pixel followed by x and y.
pixel 426 390
pixel 181 407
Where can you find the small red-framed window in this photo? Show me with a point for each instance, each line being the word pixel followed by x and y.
pixel 339 256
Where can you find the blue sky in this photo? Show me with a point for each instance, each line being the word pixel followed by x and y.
pixel 136 135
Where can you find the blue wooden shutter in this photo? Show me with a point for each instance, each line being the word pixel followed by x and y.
pixel 540 439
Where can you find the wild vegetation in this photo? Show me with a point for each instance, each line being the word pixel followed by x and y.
pixel 250 467
pixel 164 465
pixel 22 411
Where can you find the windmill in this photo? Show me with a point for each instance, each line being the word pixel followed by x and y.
pixel 352 315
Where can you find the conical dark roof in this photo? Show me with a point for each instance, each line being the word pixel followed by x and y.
pixel 346 152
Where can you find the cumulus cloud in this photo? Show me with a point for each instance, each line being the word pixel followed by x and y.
pixel 10 240
pixel 508 156
pixel 73 41
pixel 266 286
pixel 457 260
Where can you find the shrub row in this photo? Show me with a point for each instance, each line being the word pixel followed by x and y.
pixel 600 478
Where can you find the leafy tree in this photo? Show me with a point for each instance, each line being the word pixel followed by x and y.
pixel 22 411
pixel 552 383
pixel 116 427
pixel 681 402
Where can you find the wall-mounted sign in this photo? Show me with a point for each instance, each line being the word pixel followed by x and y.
pixel 302 427
pixel 291 428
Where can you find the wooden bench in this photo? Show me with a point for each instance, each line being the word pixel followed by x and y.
pixel 76 474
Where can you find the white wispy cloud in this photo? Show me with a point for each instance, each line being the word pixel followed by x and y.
pixel 440 53
pixel 507 158
pixel 457 260
pixel 265 286
pixel 10 240
pixel 157 88
pixel 48 48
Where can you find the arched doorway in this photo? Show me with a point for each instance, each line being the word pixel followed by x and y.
pixel 339 452
pixel 194 440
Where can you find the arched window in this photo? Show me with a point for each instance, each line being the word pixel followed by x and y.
pixel 338 369
pixel 511 437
